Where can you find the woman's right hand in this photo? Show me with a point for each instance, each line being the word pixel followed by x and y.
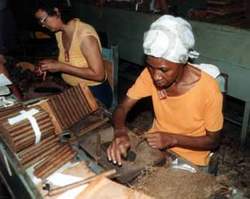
pixel 118 148
pixel 37 71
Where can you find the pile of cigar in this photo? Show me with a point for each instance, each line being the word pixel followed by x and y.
pixel 21 135
pixel 61 156
pixel 47 155
pixel 10 111
pixel 72 105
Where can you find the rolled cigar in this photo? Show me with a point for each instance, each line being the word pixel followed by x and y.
pixel 9 115
pixel 56 166
pixel 52 163
pixel 84 100
pixel 72 111
pixel 68 112
pixel 84 97
pixel 52 105
pixel 43 143
pixel 4 112
pixel 38 154
pixel 52 158
pixel 25 122
pixel 89 97
pixel 9 141
pixel 29 141
pixel 44 156
pixel 44 75
pixel 59 106
pixel 75 105
pixel 58 153
pixel 12 108
pixel 21 145
pixel 30 132
pixel 38 151
pixel 79 101
pixel 28 126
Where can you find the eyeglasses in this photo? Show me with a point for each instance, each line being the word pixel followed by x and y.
pixel 43 20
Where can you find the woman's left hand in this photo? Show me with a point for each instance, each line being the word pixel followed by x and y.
pixel 50 65
pixel 161 140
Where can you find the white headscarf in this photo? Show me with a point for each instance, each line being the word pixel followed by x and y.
pixel 170 38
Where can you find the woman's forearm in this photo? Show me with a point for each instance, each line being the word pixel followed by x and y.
pixel 85 73
pixel 207 142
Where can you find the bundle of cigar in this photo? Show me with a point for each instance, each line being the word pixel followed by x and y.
pixel 21 135
pixel 53 162
pixel 10 111
pixel 72 105
pixel 48 154
pixel 38 152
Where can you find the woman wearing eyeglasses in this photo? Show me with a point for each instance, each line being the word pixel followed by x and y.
pixel 79 60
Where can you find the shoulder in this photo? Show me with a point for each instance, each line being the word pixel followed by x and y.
pixel 84 28
pixel 145 75
pixel 207 78
pixel 209 84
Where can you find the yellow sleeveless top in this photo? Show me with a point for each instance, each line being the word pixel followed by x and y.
pixel 76 58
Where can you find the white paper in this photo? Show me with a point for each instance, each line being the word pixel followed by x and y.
pixel 23 115
pixel 28 115
pixel 60 179
pixel 34 179
pixel 4 81
pixel 4 90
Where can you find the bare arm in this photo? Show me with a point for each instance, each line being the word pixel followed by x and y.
pixel 208 142
pixel 162 140
pixel 120 143
pixel 120 114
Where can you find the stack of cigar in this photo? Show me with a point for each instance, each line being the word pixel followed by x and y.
pixel 72 105
pixel 21 135
pixel 48 155
pixel 38 152
pixel 10 111
pixel 53 162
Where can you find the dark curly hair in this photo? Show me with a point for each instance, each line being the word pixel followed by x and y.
pixel 50 5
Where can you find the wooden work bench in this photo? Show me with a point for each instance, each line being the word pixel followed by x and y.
pixel 21 186
pixel 55 159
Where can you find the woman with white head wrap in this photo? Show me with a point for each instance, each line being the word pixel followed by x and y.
pixel 170 38
pixel 187 102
